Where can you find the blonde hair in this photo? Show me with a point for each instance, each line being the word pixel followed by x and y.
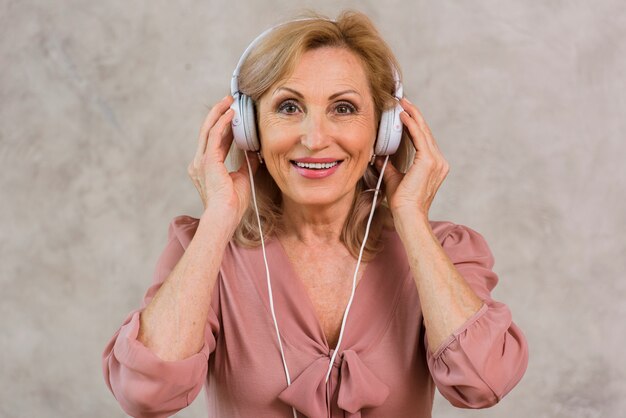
pixel 273 59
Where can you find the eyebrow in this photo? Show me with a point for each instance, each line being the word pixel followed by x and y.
pixel 332 96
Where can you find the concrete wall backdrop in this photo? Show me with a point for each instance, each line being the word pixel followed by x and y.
pixel 101 103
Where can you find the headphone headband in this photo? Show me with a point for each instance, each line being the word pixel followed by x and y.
pixel 234 82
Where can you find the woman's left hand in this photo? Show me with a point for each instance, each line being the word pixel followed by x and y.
pixel 412 193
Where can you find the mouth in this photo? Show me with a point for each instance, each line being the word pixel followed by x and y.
pixel 316 168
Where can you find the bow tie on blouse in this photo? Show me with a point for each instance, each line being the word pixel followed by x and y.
pixel 358 388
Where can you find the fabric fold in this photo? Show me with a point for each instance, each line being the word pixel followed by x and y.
pixel 484 360
pixel 358 387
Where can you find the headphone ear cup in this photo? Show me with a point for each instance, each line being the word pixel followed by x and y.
pixel 244 123
pixel 389 131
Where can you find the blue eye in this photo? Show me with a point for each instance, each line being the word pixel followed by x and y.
pixel 289 105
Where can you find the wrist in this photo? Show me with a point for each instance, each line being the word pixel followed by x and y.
pixel 221 220
pixel 409 216
pixel 410 221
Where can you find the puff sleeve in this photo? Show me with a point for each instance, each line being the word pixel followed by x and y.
pixel 488 355
pixel 143 384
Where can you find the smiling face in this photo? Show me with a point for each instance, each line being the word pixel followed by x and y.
pixel 317 128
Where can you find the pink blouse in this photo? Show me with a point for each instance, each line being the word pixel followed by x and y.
pixel 385 367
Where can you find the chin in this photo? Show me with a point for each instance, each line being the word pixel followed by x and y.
pixel 319 197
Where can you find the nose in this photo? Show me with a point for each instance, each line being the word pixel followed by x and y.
pixel 315 135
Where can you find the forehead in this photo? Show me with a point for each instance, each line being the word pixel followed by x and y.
pixel 327 68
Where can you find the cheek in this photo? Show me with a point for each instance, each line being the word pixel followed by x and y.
pixel 273 136
pixel 361 144
pixel 274 150
pixel 276 146
pixel 363 132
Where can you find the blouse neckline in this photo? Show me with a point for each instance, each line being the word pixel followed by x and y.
pixel 377 291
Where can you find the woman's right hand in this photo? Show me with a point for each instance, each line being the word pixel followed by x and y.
pixel 223 193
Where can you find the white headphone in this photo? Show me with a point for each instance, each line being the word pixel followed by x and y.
pixel 244 123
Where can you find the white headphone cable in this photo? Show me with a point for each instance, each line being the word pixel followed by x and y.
pixel 267 271
pixel 358 263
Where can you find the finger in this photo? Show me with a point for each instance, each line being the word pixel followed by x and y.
pixel 392 176
pixel 242 177
pixel 418 137
pixel 212 117
pixel 440 162
pixel 219 139
pixel 254 163
pixel 429 152
pixel 227 137
pixel 416 115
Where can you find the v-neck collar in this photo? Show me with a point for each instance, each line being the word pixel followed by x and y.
pixel 304 295
pixel 375 298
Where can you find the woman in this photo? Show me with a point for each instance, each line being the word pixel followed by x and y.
pixel 422 314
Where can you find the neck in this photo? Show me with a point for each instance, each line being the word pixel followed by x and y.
pixel 315 224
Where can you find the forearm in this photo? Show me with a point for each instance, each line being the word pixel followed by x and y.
pixel 172 325
pixel 447 300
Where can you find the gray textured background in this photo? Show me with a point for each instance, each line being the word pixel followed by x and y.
pixel 101 106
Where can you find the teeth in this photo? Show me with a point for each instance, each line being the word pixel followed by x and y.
pixel 317 166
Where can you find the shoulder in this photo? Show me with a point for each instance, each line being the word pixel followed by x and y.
pixel 183 228
pixel 460 242
pixel 442 229
pixel 446 230
pixel 463 243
